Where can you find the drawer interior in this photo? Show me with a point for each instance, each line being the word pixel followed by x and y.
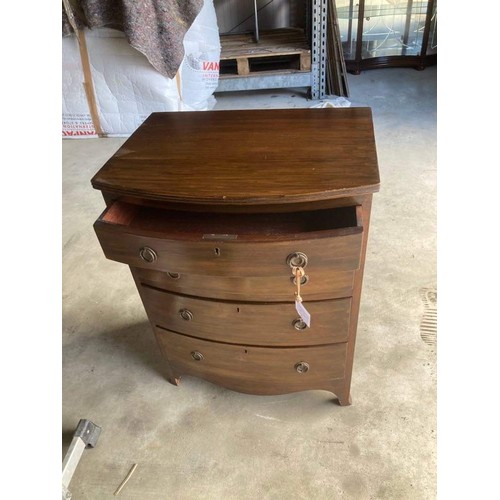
pixel 230 226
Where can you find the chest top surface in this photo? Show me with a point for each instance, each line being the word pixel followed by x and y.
pixel 246 157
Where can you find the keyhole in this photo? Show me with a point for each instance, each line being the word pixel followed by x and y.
pixel 238 309
pixel 217 251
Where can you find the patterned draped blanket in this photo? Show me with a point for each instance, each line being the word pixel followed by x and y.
pixel 154 27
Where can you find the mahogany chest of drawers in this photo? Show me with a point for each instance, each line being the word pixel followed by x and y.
pixel 219 213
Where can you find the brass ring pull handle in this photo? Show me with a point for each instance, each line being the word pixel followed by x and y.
pixel 297 259
pixel 186 314
pixel 147 254
pixel 197 356
pixel 174 276
pixel 302 367
pixel 299 324
pixel 303 281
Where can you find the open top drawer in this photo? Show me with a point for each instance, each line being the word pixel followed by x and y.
pixel 220 244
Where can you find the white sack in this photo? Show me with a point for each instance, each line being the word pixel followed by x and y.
pixel 127 87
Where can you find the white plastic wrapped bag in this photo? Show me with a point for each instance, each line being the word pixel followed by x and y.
pixel 128 88
pixel 334 102
pixel 199 71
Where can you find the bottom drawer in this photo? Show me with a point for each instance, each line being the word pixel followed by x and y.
pixel 254 370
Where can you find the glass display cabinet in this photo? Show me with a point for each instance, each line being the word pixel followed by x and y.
pixel 384 33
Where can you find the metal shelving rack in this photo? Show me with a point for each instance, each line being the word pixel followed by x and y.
pixel 315 79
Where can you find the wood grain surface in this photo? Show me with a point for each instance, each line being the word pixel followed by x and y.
pixel 186 225
pixel 271 42
pixel 254 370
pixel 249 323
pixel 247 157
pixel 349 201
pixel 231 258
pixel 329 284
pixel 260 249
pixel 209 206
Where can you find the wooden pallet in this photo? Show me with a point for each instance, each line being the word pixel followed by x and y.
pixel 280 47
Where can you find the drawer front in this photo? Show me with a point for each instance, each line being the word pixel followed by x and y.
pixel 319 286
pixel 249 323
pixel 232 245
pixel 225 258
pixel 255 370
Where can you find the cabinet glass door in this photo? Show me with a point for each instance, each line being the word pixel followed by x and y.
pixel 377 33
pixel 393 28
pixel 347 16
pixel 433 37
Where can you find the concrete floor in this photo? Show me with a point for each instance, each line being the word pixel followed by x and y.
pixel 200 441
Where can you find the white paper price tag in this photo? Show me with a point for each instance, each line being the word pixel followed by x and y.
pixel 303 312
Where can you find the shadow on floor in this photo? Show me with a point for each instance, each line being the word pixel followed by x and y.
pixel 128 345
pixel 136 344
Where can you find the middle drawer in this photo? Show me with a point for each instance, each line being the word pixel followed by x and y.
pixel 249 323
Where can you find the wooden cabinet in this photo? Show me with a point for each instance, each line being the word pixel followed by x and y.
pixel 212 211
pixel 380 33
